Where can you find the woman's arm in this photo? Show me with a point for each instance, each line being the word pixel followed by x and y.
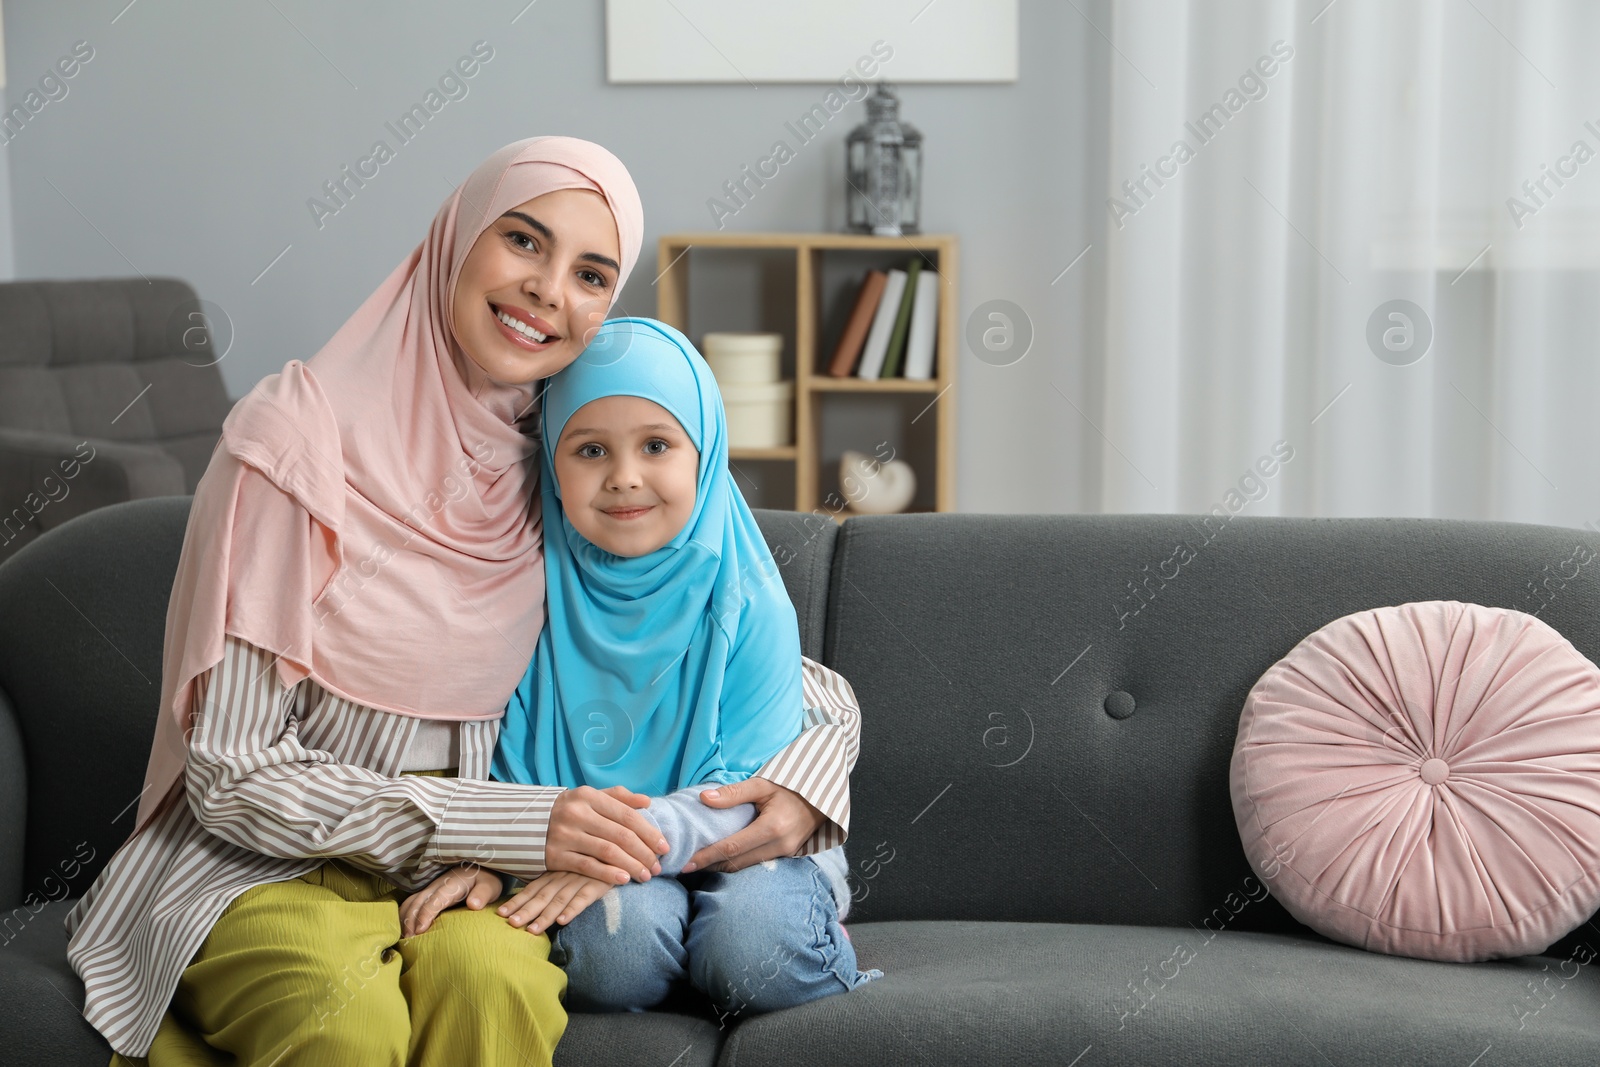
pixel 681 818
pixel 251 782
pixel 802 795
pixel 818 764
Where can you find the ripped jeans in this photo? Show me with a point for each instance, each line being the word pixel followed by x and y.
pixel 757 940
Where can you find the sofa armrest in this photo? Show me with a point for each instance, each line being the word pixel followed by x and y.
pixel 13 805
pixel 48 478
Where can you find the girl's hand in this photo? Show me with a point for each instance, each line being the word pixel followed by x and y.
pixel 468 882
pixel 553 897
pixel 784 822
pixel 598 832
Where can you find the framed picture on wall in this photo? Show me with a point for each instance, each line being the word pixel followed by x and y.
pixel 902 41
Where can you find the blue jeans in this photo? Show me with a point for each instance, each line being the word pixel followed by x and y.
pixel 763 938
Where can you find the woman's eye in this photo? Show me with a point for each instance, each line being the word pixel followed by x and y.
pixel 650 446
pixel 599 279
pixel 516 237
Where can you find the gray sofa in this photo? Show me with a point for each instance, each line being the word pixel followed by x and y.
pixel 109 391
pixel 1043 852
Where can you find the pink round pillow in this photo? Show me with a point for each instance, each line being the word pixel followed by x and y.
pixel 1424 780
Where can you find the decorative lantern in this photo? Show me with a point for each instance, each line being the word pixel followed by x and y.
pixel 883 165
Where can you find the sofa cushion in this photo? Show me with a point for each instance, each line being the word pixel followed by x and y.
pixel 193 454
pixel 1056 995
pixel 43 1020
pixel 185 398
pixel 1059 695
pixel 27 338
pixel 31 399
pixel 91 320
pixel 107 400
pixel 639 1039
pixel 1424 779
pixel 802 547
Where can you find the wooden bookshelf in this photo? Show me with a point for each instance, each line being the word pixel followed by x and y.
pixel 786 452
pixel 826 270
pixel 829 384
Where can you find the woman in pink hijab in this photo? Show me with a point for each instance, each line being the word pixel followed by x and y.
pixel 361 588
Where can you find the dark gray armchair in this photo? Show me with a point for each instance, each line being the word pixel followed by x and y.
pixel 109 391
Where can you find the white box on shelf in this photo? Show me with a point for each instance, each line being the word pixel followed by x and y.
pixel 739 358
pixel 760 414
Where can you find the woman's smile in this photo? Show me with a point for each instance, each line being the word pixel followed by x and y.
pixel 524 330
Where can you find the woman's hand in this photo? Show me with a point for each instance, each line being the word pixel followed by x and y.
pixel 784 821
pixel 600 834
pixel 553 897
pixel 468 882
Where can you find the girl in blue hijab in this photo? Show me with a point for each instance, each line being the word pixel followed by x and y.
pixel 671 655
pixel 670 663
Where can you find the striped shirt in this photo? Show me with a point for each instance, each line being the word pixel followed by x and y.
pixel 280 779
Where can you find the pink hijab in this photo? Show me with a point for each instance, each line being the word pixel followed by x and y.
pixel 372 515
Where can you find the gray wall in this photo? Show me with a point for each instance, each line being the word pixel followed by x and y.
pixel 191 142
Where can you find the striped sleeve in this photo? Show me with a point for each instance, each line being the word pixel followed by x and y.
pixel 818 763
pixel 252 782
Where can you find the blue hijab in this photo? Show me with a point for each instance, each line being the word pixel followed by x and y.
pixel 664 670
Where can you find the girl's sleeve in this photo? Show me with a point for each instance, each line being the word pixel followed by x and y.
pixel 251 782
pixel 689 825
pixel 818 763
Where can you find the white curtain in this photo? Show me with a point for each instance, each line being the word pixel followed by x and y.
pixel 1353 154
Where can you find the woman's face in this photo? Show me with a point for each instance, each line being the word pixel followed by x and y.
pixel 628 474
pixel 550 266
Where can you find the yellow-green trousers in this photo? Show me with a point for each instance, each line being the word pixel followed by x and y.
pixel 313 972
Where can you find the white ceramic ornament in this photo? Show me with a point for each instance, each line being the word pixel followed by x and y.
pixel 875 488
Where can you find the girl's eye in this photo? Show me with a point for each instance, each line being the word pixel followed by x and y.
pixel 650 446
pixel 584 451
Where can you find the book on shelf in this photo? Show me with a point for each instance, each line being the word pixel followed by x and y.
pixel 877 345
pixel 902 322
pixel 848 350
pixel 924 324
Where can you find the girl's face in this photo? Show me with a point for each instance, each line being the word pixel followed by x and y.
pixel 550 265
pixel 627 473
